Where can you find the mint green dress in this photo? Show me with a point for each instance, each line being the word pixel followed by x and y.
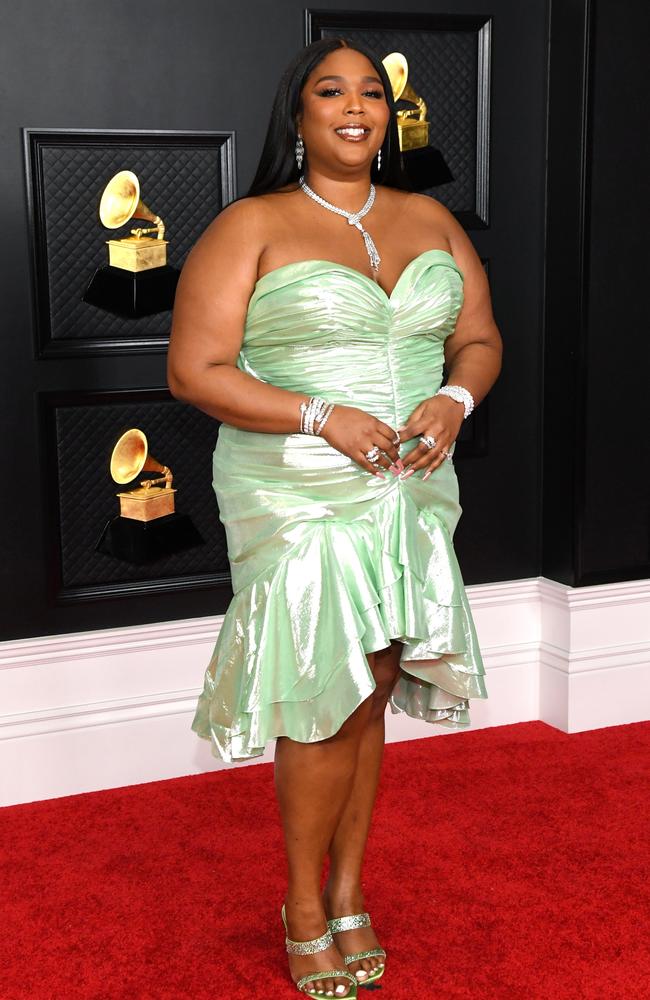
pixel 328 561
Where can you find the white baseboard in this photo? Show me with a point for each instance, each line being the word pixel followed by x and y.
pixel 103 709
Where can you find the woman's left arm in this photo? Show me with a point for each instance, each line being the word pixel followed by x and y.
pixel 472 354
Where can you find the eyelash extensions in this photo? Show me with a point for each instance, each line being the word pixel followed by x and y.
pixel 328 91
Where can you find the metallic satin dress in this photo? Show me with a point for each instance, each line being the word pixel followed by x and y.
pixel 329 562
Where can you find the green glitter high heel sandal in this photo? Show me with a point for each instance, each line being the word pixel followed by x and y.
pixel 352 923
pixel 311 948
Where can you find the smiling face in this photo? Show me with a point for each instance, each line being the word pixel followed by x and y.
pixel 344 113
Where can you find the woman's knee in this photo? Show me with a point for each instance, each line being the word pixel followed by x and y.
pixel 352 728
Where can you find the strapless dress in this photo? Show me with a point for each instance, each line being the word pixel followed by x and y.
pixel 329 562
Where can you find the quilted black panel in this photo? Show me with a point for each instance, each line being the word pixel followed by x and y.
pixel 182 183
pixel 443 71
pixel 179 436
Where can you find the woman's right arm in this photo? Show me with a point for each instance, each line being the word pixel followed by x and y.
pixel 212 298
pixel 210 309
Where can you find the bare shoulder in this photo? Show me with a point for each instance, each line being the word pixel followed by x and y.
pixel 233 243
pixel 428 220
pixel 259 215
pixel 435 217
pixel 427 210
pixel 246 215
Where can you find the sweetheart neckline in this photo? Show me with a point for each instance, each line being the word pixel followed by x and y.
pixel 345 267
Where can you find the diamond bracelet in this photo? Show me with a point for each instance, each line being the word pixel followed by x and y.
pixel 460 394
pixel 316 411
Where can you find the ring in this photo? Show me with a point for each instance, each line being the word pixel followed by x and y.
pixel 448 455
pixel 396 440
pixel 372 454
pixel 428 440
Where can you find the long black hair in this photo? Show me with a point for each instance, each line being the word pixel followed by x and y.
pixel 277 166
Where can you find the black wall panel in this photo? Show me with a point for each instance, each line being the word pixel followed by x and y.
pixel 615 536
pixel 596 498
pixel 79 431
pixel 212 66
pixel 189 174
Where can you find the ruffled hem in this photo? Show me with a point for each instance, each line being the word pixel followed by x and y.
pixel 290 659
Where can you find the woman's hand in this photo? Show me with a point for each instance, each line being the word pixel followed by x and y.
pixel 440 417
pixel 354 432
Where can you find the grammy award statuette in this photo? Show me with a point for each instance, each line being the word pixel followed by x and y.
pixel 148 526
pixel 424 164
pixel 137 281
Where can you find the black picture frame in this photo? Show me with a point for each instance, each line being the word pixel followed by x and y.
pixel 66 170
pixel 467 40
pixel 79 494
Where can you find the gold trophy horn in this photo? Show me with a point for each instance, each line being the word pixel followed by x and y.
pixel 121 201
pixel 129 458
pixel 412 126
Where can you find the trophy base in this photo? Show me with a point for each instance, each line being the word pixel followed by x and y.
pixel 132 293
pixel 426 168
pixel 141 542
pixel 141 504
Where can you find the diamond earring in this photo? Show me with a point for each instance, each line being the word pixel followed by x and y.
pixel 379 159
pixel 300 151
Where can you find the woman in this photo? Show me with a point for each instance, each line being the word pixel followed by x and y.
pixel 319 345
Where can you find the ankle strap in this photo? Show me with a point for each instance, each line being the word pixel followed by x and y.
pixel 351 923
pixel 310 947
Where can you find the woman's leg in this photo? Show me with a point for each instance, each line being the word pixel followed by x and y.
pixel 343 894
pixel 313 782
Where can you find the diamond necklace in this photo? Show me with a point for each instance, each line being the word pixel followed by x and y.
pixel 353 219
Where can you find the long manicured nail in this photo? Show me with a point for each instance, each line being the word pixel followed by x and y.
pixel 400 464
pixel 380 475
pixel 427 474
pixel 394 470
pixel 405 475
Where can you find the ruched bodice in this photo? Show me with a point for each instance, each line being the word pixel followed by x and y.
pixel 316 327
pixel 329 562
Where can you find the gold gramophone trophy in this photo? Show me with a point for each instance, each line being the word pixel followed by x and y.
pixel 412 124
pixel 137 281
pixel 424 165
pixel 148 526
pixel 149 500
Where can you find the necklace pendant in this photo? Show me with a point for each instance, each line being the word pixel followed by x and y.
pixel 371 249
pixel 353 219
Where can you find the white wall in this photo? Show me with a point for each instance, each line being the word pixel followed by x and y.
pixel 97 710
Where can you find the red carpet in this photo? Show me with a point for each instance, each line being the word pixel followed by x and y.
pixel 508 863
